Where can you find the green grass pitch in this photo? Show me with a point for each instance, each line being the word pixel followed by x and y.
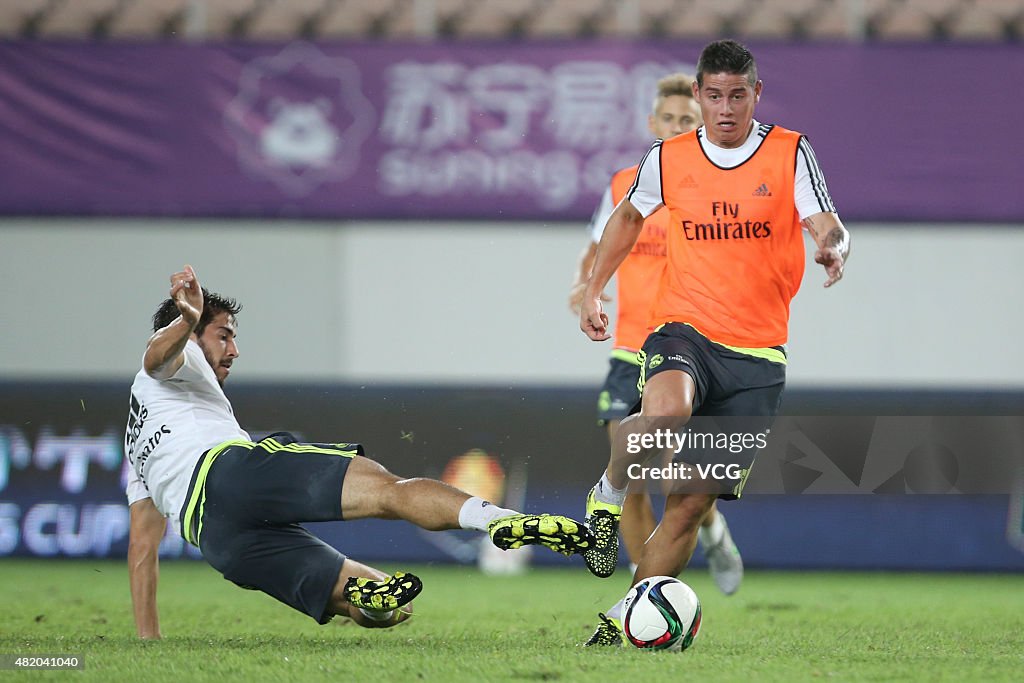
pixel 470 627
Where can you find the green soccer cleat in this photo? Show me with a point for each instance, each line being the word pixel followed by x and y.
pixel 608 633
pixel 382 596
pixel 561 534
pixel 603 522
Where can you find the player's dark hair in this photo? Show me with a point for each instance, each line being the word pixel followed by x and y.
pixel 726 57
pixel 213 305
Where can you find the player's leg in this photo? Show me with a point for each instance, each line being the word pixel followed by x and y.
pixel 666 552
pixel 749 392
pixel 312 482
pixel 671 545
pixel 358 584
pixel 370 490
pixel 619 395
pixel 284 561
pixel 638 521
pixel 666 407
pixel 667 402
pixel 724 561
pixel 245 519
pixel 709 519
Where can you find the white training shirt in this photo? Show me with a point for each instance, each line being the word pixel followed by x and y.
pixel 171 423
pixel 810 193
pixel 601 215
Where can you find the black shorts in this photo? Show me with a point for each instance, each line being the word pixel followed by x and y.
pixel 734 392
pixel 621 391
pixel 247 511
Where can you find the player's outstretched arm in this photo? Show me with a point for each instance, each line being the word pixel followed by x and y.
pixel 620 234
pixel 579 282
pixel 164 351
pixel 146 529
pixel 833 242
pixel 584 264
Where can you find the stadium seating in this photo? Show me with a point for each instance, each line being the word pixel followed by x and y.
pixel 358 19
pixel 282 20
pixel 70 18
pixel 150 19
pixel 17 15
pixel 701 18
pixel 553 18
pixel 768 20
pixel 846 20
pixel 486 19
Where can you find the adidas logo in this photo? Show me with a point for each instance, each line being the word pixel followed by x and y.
pixel 688 182
pixel 763 191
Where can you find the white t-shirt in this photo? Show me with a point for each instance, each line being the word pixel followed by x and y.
pixel 171 423
pixel 810 191
pixel 601 215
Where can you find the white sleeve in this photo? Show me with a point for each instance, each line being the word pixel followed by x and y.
pixel 601 215
pixel 645 194
pixel 810 191
pixel 191 369
pixel 135 489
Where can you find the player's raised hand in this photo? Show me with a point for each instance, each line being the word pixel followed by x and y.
pixel 593 320
pixel 187 294
pixel 832 259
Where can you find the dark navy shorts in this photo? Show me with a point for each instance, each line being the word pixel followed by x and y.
pixel 736 394
pixel 250 503
pixel 621 391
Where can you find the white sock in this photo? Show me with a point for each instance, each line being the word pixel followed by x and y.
pixel 712 534
pixel 616 610
pixel 477 513
pixel 604 492
pixel 373 615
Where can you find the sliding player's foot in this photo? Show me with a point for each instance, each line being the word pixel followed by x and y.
pixel 561 534
pixel 382 596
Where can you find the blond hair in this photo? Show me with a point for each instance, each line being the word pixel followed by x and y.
pixel 673 84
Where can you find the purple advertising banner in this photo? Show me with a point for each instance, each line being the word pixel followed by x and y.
pixel 477 131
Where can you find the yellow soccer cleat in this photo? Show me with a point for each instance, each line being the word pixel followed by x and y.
pixel 603 522
pixel 561 534
pixel 608 632
pixel 382 596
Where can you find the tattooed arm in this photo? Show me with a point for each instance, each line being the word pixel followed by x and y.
pixel 833 243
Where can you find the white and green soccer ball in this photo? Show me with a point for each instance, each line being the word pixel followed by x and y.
pixel 661 613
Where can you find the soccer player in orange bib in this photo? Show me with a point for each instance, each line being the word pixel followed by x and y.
pixel 673 113
pixel 738 193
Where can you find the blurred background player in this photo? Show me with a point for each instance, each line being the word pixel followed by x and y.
pixel 241 502
pixel 738 193
pixel 673 113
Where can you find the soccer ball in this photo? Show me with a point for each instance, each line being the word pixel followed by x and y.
pixel 661 613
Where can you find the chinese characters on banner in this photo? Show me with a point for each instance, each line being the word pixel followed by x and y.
pixel 557 133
